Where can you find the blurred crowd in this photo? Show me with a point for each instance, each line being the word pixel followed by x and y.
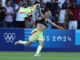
pixel 65 13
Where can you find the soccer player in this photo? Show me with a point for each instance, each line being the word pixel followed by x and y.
pixel 37 34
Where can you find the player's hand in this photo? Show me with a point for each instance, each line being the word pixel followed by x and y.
pixel 61 28
pixel 38 6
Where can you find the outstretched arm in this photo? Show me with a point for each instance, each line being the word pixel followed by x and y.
pixel 55 25
pixel 40 13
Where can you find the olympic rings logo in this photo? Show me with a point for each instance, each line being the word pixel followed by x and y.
pixel 9 37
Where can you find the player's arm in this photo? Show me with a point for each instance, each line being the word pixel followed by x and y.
pixel 40 13
pixel 55 25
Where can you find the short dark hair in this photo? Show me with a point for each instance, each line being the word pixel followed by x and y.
pixel 45 10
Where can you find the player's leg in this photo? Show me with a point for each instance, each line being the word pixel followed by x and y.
pixel 28 43
pixel 32 38
pixel 39 48
pixel 40 40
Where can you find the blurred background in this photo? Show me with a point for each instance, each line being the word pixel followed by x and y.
pixel 65 13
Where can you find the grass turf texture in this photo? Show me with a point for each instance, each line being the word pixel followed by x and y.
pixel 44 56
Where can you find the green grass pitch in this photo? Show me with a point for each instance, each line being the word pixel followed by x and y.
pixel 44 56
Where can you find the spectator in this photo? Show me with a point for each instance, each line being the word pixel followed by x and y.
pixel 79 21
pixel 3 3
pixel 19 20
pixel 64 14
pixel 42 4
pixel 53 6
pixel 12 3
pixel 16 1
pixel 9 15
pixel 29 23
pixel 73 22
pixel 61 3
pixel 2 14
pixel 24 3
pixel 68 3
pixel 29 2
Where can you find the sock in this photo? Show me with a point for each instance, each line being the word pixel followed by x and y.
pixel 23 42
pixel 39 49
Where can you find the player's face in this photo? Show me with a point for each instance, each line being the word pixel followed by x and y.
pixel 47 14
